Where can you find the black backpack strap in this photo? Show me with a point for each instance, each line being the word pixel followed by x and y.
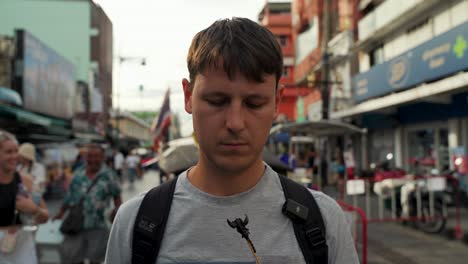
pixel 309 228
pixel 150 223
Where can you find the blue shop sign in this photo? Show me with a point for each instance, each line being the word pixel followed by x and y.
pixel 438 57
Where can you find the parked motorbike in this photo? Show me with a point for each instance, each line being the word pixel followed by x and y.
pixel 456 193
pixel 415 202
pixel 432 218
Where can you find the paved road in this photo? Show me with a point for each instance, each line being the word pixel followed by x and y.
pixel 395 243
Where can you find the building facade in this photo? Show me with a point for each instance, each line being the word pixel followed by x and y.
pixel 323 32
pixel 276 16
pixel 133 132
pixel 411 91
pixel 102 57
pixel 81 32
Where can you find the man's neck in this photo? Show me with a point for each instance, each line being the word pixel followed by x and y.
pixel 219 183
pixel 91 173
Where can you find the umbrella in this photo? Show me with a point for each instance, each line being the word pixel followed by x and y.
pixel 178 158
pixel 183 153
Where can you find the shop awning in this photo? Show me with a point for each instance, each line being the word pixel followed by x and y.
pixel 10 96
pixel 24 116
pixel 448 85
pixel 30 126
pixel 318 128
pixel 88 136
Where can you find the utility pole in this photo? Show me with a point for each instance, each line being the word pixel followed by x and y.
pixel 325 73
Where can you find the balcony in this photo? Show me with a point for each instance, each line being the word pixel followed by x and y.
pixel 390 16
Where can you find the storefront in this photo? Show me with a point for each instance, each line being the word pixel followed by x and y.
pixel 427 148
pixel 415 106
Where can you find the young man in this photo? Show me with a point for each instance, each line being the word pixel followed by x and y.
pixel 88 244
pixel 233 96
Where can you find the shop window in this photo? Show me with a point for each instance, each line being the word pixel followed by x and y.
pixel 443 151
pixel 381 147
pixel 283 40
pixel 376 56
pixel 421 151
pixel 428 151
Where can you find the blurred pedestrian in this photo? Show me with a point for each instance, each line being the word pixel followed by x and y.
pixel 118 163
pixel 29 166
pixel 132 165
pixel 88 244
pixel 233 94
pixel 338 168
pixel 17 207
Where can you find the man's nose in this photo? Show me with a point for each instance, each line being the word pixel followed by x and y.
pixel 235 117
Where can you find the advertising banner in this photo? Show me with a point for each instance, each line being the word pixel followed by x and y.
pixel 46 79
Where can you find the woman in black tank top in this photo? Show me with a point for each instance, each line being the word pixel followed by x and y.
pixel 14 200
pixel 8 202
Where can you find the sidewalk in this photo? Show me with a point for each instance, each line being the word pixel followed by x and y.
pixel 392 242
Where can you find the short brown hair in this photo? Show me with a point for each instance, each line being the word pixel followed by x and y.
pixel 241 45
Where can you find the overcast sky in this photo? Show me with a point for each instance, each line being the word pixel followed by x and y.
pixel 161 32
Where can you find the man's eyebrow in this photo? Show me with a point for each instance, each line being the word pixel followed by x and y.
pixel 257 96
pixel 214 94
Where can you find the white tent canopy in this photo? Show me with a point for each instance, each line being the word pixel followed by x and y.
pixel 318 128
pixel 324 129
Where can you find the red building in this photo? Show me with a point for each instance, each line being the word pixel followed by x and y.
pixel 324 38
pixel 276 16
pixel 306 33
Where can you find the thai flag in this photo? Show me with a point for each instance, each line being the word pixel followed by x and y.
pixel 161 124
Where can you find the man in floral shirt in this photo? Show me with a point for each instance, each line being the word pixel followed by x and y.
pixel 89 244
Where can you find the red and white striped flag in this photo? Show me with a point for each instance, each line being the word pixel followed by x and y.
pixel 162 123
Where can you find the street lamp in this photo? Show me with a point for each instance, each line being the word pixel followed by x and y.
pixel 122 59
pixel 142 60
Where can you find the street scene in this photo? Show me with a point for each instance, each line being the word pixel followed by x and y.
pixel 365 101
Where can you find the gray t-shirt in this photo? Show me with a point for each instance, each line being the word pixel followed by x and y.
pixel 197 231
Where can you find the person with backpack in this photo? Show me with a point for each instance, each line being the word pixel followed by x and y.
pixel 231 207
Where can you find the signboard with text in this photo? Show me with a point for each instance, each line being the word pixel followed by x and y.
pixel 443 55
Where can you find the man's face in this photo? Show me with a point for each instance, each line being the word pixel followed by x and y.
pixel 231 119
pixel 94 159
pixel 8 155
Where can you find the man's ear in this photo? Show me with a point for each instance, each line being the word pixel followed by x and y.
pixel 279 98
pixel 187 95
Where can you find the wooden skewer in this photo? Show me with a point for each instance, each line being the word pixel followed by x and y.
pixel 257 261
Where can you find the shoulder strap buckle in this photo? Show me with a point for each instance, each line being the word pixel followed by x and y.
pixel 315 237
